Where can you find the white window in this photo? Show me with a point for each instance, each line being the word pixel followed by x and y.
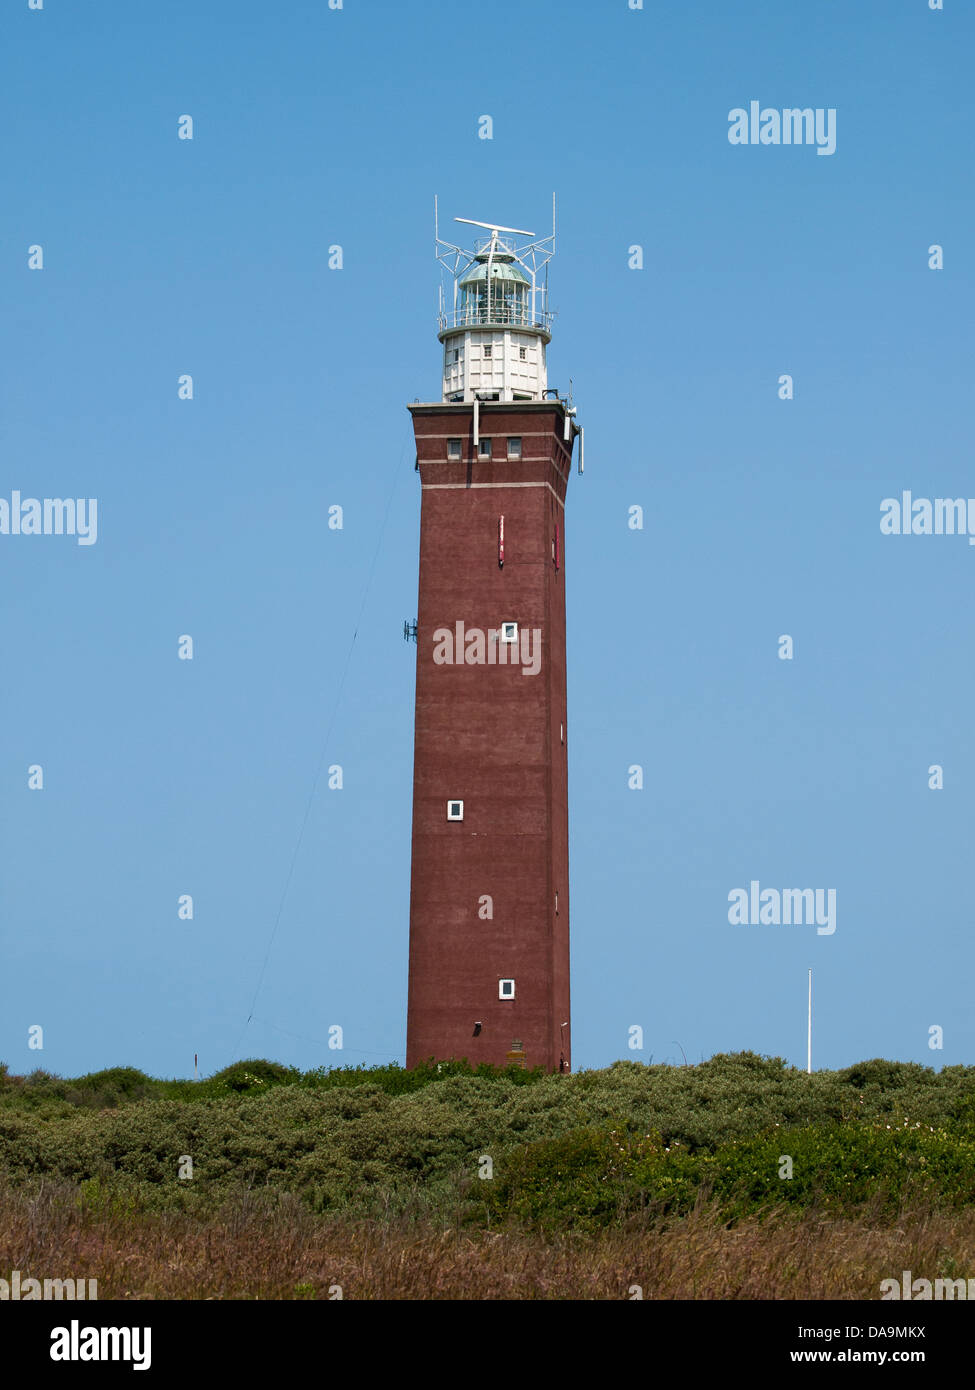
pixel 487 350
pixel 514 446
pixel 453 448
pixel 484 448
pixel 509 632
pixel 521 354
pixel 455 810
pixel 506 989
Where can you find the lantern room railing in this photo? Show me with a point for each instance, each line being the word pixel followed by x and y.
pixel 500 315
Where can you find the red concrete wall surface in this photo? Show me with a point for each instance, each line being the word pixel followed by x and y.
pixel 496 739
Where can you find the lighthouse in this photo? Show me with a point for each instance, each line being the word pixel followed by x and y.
pixel 489 896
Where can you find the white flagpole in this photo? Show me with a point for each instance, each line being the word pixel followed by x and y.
pixel 809 1032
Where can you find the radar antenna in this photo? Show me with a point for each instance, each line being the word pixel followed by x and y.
pixel 472 222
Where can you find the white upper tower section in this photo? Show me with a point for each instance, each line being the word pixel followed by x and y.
pixel 496 329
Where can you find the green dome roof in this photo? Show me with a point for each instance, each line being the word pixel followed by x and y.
pixel 500 270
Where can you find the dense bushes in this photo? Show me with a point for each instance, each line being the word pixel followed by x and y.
pixel 591 1177
pixel 116 1085
pixel 581 1149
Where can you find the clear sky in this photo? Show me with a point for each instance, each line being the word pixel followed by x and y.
pixel 315 127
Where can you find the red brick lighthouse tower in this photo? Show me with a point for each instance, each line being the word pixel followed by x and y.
pixel 489 903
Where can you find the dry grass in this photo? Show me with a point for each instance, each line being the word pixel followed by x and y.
pixel 260 1249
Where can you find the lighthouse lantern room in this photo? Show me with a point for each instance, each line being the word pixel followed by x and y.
pixel 497 325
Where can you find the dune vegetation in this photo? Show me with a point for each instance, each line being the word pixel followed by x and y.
pixel 737 1178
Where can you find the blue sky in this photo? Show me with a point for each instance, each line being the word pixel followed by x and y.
pixel 316 127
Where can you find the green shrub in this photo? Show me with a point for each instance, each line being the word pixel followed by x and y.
pixel 125 1080
pixel 592 1177
pixel 890 1076
pixel 578 1179
pixel 252 1075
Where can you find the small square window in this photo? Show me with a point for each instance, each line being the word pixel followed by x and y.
pixel 484 448
pixel 521 354
pixel 455 810
pixel 509 632
pixel 487 350
pixel 506 989
pixel 453 448
pixel 514 446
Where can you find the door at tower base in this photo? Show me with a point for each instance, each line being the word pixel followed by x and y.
pixel 489 902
